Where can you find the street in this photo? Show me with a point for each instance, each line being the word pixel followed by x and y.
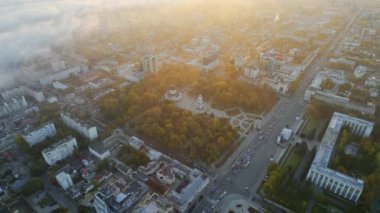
pixel 236 176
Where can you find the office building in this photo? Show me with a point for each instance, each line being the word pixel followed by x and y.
pixel 99 150
pixel 111 199
pixel 33 92
pixel 83 128
pixel 63 74
pixel 37 135
pixel 336 182
pixel 315 91
pixel 149 63
pixel 152 202
pixel 12 105
pixel 7 141
pixel 59 150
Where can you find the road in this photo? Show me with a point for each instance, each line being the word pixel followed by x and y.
pixel 245 181
pixel 58 196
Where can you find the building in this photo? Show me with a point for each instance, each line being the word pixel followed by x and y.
pixel 341 63
pixel 152 202
pixel 337 76
pixel 83 128
pixel 272 60
pixel 172 95
pixel 37 135
pixel 59 150
pixel 12 105
pixel 240 62
pixel 64 180
pixel 339 101
pixel 111 199
pixel 338 183
pixel 102 196
pixel 276 83
pixel 35 93
pixel 63 74
pixel 289 72
pixel 360 71
pixel 149 63
pixel 165 174
pixel 99 150
pixel 210 59
pixel 187 193
pixel 135 142
pixel 314 91
pixel 251 70
pixel 7 141
pixel 372 81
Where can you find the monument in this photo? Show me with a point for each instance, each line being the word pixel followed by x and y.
pixel 199 104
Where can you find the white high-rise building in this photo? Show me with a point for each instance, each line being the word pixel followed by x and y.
pixel 37 135
pixel 7 142
pixel 149 63
pixel 12 105
pixel 81 127
pixel 338 183
pixel 59 150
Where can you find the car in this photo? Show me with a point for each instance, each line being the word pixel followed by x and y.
pixel 271 158
pixel 246 188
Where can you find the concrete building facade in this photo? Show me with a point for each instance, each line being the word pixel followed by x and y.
pixel 35 136
pixel 59 150
pixel 83 128
pixel 338 183
pixel 149 63
pixel 7 142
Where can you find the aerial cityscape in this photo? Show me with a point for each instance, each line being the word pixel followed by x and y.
pixel 189 106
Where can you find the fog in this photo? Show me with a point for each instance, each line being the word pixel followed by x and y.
pixel 30 28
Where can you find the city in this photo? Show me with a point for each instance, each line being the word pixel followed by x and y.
pixel 163 106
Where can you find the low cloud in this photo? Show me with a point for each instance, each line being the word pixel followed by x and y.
pixel 29 28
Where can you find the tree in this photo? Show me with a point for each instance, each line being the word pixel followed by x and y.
pixel 327 84
pixel 85 209
pixel 345 87
pixel 102 165
pixel 34 185
pixel 60 210
pixel 21 143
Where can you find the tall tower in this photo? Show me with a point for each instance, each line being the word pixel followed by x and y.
pixel 149 63
pixel 199 104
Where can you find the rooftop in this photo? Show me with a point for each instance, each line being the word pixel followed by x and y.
pixel 59 143
pixel 326 148
pixel 98 147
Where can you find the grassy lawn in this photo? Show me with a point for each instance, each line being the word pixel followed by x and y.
pixel 292 160
pixel 311 125
pixel 45 201
pixel 319 209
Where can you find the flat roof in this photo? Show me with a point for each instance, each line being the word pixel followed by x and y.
pixel 326 148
